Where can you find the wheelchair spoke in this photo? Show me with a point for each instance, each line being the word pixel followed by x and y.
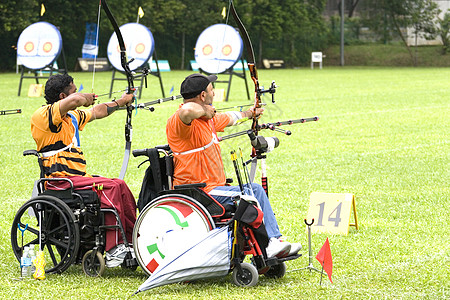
pixel 30 229
pixel 60 229
pixel 48 218
pixel 52 254
pixel 57 243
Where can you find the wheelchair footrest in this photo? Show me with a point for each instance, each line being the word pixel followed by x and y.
pixel 130 262
pixel 276 261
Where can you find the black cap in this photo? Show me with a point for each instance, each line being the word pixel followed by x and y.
pixel 194 84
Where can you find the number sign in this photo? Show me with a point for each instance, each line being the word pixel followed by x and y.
pixel 331 212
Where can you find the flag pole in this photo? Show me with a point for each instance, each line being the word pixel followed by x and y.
pixel 321 273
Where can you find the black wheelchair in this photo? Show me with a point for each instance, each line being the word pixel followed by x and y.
pixel 174 214
pixel 68 225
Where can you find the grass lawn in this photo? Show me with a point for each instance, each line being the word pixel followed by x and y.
pixel 383 135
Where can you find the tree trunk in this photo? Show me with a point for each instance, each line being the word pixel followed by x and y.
pixel 183 49
pixel 402 37
pixel 352 8
pixel 415 49
pixel 260 51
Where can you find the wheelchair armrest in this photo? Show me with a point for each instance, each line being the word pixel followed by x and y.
pixel 30 152
pixel 41 183
pixel 191 185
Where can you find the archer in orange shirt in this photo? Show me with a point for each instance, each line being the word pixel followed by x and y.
pixel 192 136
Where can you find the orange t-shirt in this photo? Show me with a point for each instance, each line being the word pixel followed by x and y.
pixel 52 132
pixel 198 164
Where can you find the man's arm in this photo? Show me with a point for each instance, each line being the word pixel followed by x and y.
pixel 235 116
pixel 75 100
pixel 191 111
pixel 103 110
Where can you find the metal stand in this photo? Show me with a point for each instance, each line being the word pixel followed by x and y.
pixel 310 266
pixel 142 77
pixel 231 72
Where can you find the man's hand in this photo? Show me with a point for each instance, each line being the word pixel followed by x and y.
pixel 190 111
pixel 125 99
pixel 89 99
pixel 210 112
pixel 258 112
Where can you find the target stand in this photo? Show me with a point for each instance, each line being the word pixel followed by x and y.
pixel 218 50
pixel 230 72
pixel 38 48
pixel 140 47
pixel 141 77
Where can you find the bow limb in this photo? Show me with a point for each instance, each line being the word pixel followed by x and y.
pixel 250 63
pixel 131 89
pixel 257 104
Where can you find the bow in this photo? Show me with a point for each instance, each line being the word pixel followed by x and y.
pixel 259 144
pixel 258 91
pixel 251 65
pixel 130 90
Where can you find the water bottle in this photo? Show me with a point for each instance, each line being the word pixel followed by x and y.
pixel 32 254
pixel 25 262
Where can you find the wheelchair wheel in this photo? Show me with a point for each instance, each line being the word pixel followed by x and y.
pixel 93 263
pixel 247 277
pixel 48 221
pixel 165 225
pixel 276 271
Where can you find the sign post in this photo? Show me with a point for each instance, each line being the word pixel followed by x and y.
pixel 316 57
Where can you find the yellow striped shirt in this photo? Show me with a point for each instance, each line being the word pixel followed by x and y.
pixel 52 132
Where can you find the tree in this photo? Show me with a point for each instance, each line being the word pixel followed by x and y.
pixel 444 31
pixel 15 16
pixel 395 16
pixel 304 30
pixel 421 20
pixel 441 28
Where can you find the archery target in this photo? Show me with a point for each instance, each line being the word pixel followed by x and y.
pixel 39 45
pixel 218 48
pixel 164 227
pixel 139 44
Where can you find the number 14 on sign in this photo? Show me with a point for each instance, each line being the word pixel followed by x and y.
pixel 331 212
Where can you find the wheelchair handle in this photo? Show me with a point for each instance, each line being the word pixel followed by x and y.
pixel 144 152
pixel 140 152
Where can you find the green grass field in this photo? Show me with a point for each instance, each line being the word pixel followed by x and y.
pixel 383 135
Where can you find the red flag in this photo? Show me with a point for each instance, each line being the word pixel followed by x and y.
pixel 325 259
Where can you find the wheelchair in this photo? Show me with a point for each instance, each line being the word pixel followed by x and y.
pixel 172 215
pixel 68 225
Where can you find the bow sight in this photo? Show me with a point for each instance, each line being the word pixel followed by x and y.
pixel 271 90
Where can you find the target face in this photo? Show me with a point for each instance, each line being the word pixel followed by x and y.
pixel 139 44
pixel 39 45
pixel 218 48
pixel 164 227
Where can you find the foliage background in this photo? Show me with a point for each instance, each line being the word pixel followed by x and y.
pixel 174 23
pixel 279 29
